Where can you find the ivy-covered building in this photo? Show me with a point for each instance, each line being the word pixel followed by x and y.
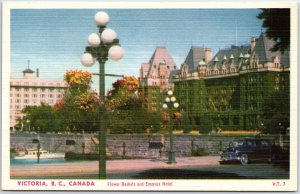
pixel 154 77
pixel 242 87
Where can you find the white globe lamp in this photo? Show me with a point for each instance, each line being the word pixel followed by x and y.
pixel 176 105
pixel 108 35
pixel 101 18
pixel 170 92
pixel 87 60
pixel 173 99
pixel 165 106
pixel 167 99
pixel 116 53
pixel 94 40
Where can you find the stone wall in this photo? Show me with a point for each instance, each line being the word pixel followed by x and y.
pixel 129 145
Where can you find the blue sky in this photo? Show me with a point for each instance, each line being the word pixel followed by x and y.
pixel 54 39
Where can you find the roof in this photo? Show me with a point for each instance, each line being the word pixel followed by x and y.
pixel 262 50
pixel 172 73
pixel 160 55
pixel 225 55
pixel 195 55
pixel 28 71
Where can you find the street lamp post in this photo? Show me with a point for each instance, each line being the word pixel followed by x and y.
pixel 171 105
pixel 101 46
pixel 28 123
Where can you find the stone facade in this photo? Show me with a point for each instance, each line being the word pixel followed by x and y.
pixel 132 145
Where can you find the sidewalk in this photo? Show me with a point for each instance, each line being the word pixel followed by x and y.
pixel 112 166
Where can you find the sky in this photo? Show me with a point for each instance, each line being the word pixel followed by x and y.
pixel 54 39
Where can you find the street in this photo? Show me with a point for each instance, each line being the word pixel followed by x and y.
pixel 186 168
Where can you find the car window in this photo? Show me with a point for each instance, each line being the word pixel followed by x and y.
pixel 251 143
pixel 265 143
pixel 236 143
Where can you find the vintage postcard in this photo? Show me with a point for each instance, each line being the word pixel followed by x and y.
pixel 145 96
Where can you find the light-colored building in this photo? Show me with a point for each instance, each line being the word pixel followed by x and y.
pixel 31 90
pixel 156 72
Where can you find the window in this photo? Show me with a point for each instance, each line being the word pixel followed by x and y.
pixel 42 95
pixel 26 89
pixel 50 95
pixel 17 101
pixel 26 95
pixel 26 101
pixel 34 95
pixel 265 143
pixel 251 143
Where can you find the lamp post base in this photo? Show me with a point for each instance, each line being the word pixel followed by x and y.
pixel 171 155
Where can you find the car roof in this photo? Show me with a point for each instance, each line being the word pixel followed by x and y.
pixel 249 138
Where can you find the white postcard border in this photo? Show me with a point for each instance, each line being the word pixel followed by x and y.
pixel 179 185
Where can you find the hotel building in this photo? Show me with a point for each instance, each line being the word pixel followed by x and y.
pixel 31 90
pixel 242 87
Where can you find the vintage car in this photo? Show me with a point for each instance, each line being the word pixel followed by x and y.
pixel 247 150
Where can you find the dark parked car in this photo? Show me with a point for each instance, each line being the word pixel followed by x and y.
pixel 248 150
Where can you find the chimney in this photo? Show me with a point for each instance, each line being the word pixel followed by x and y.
pixel 207 55
pixel 37 72
pixel 253 43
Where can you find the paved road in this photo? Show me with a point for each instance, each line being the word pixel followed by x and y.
pixel 185 168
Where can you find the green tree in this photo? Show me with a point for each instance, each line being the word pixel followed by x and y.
pixel 79 107
pixel 39 118
pixel 125 112
pixel 276 108
pixel 277 24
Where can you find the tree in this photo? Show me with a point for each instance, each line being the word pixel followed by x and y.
pixel 277 24
pixel 79 107
pixel 39 118
pixel 276 109
pixel 125 112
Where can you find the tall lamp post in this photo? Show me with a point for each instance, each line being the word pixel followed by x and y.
pixel 28 123
pixel 101 46
pixel 170 106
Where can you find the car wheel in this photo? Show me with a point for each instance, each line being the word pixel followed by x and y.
pixel 244 159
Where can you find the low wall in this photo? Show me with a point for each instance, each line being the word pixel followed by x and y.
pixel 130 145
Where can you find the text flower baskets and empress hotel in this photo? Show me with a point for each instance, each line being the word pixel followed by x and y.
pixel 242 87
